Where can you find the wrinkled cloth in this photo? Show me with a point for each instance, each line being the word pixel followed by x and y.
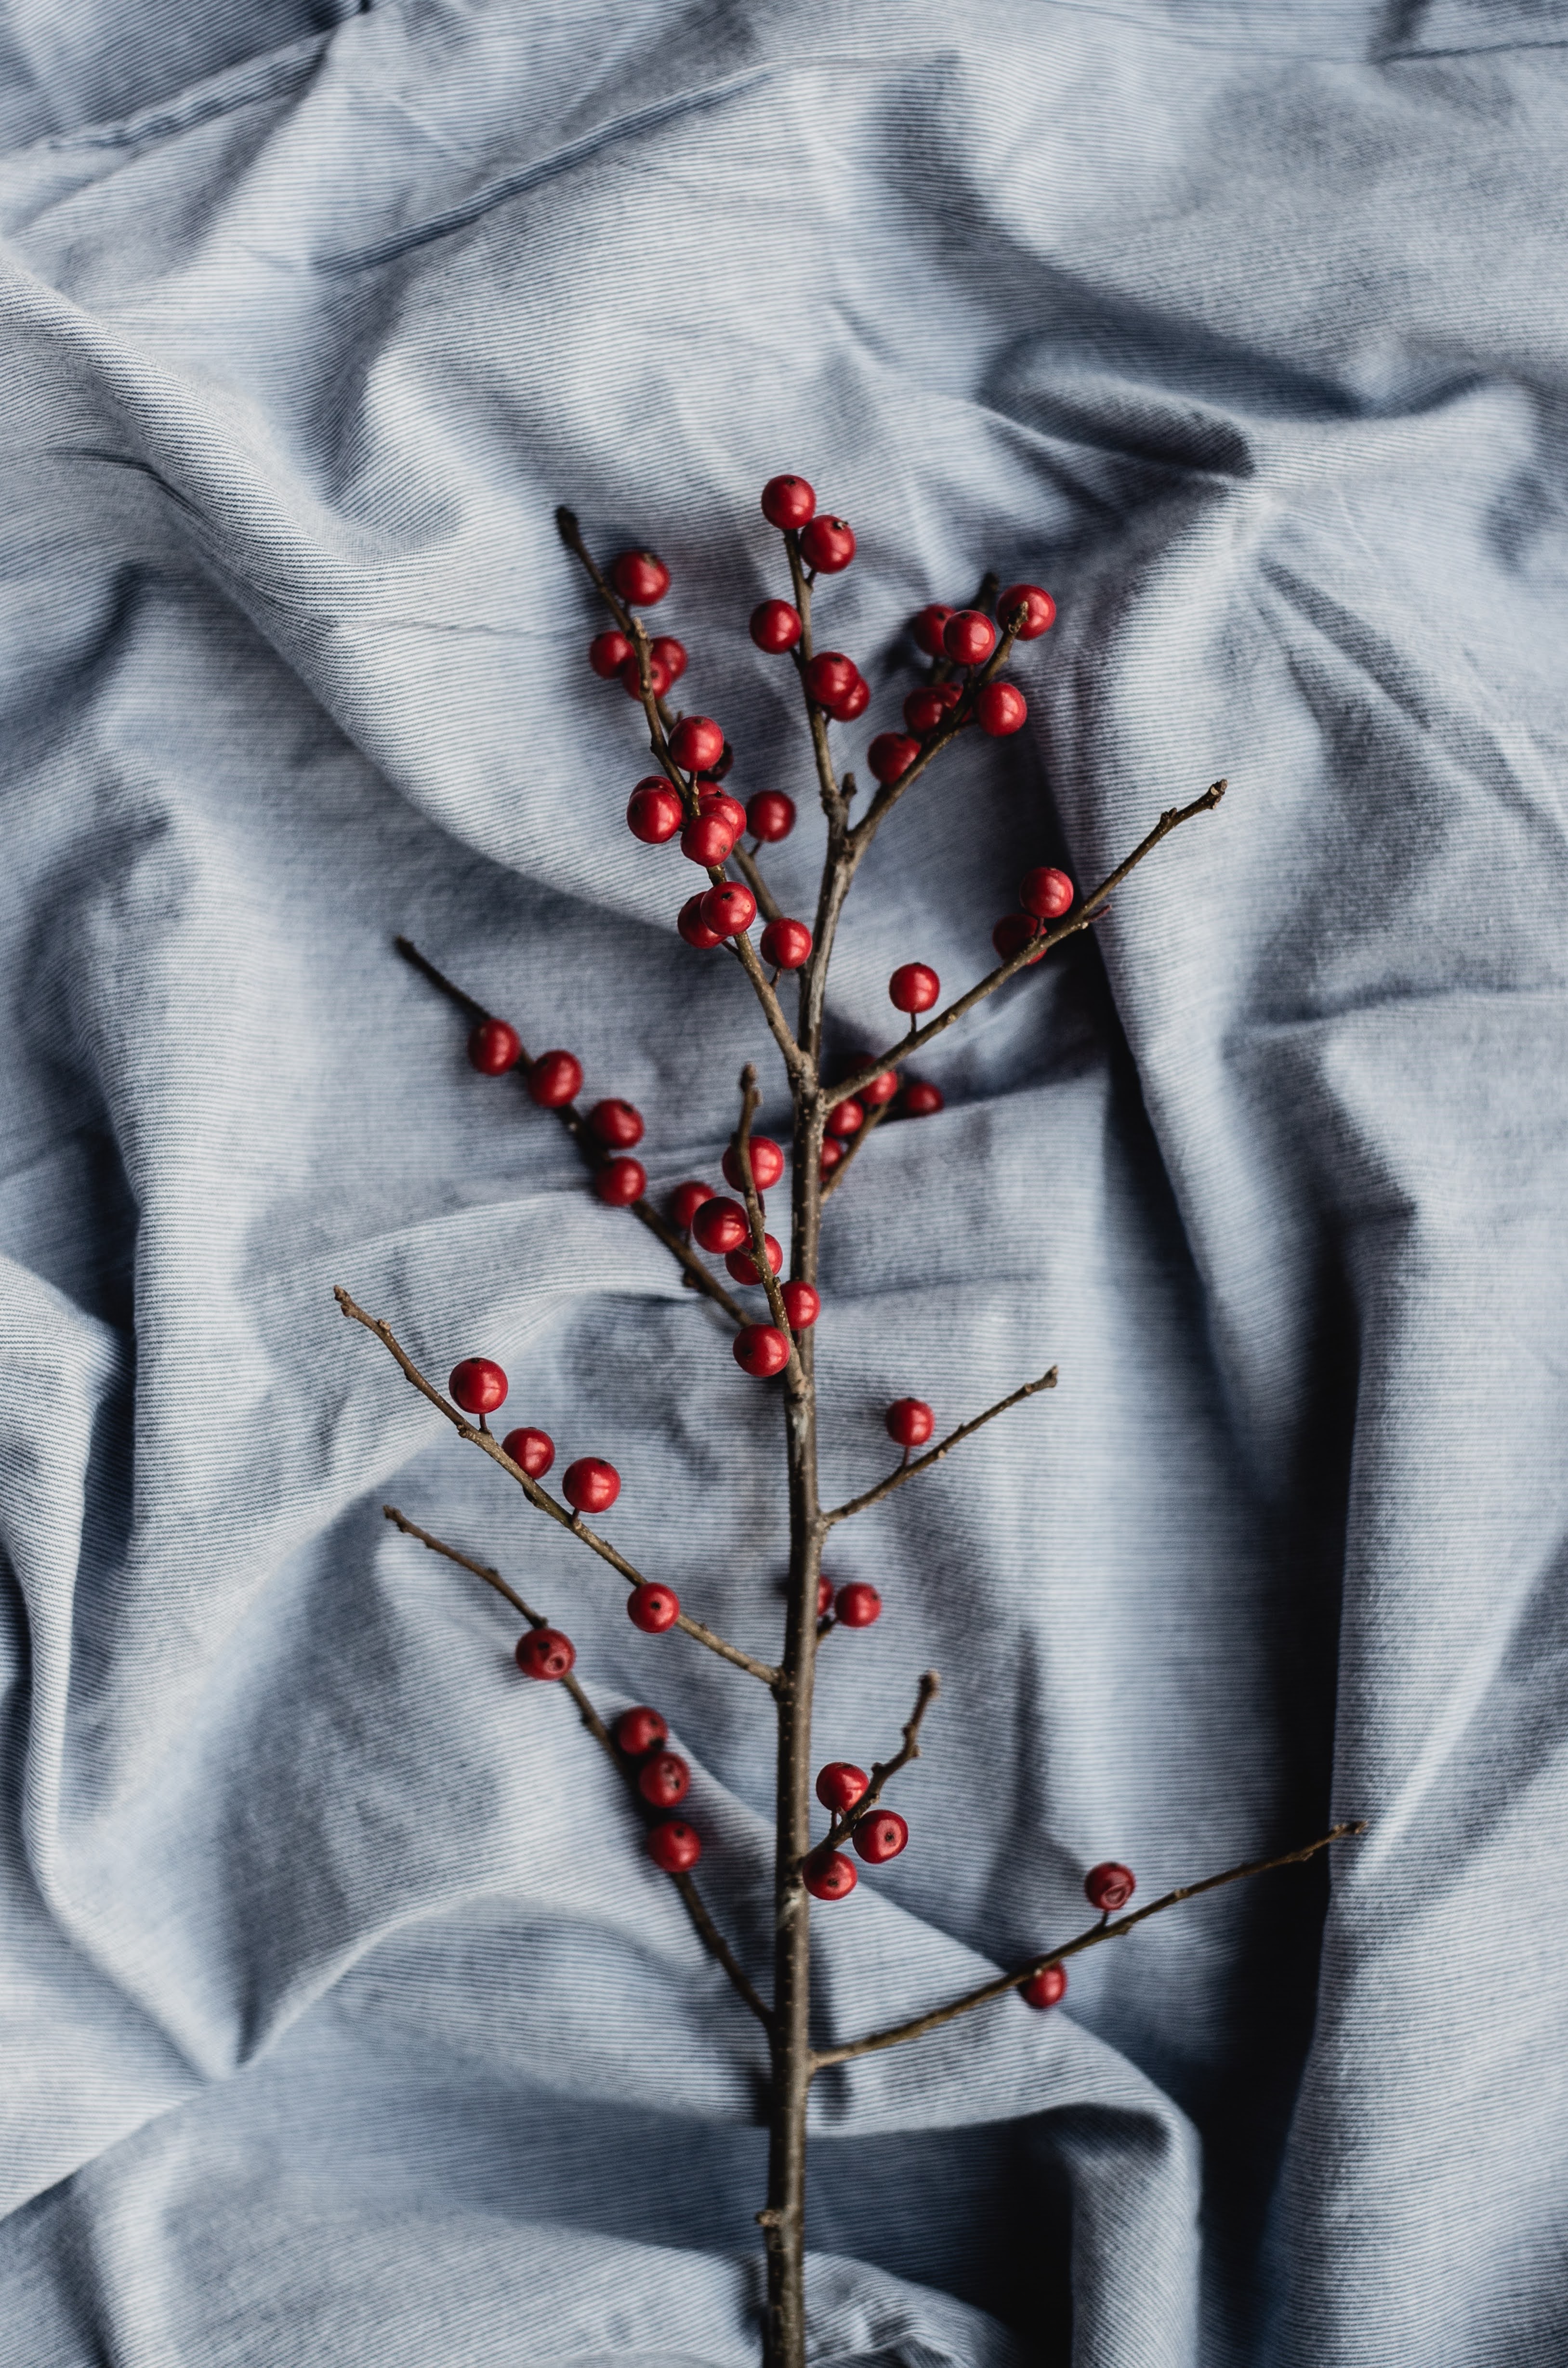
pixel 341 2016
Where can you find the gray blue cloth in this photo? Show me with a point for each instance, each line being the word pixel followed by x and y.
pixel 341 2018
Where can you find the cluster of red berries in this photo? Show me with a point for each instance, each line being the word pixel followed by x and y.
pixel 642 579
pixel 723 1228
pixel 664 1779
pixel 1045 894
pixel 1107 1888
pixel 876 1838
pixel 555 1081
pixel 915 1098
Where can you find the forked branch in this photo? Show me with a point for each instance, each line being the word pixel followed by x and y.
pixel 844 1825
pixel 924 1463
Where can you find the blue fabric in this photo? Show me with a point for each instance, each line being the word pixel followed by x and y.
pixel 340 2017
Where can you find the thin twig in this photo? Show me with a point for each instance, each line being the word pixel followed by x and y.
pixel 836 804
pixel 959 720
pixel 924 1463
pixel 874 1118
pixel 540 1498
pixel 794 1379
pixel 707 1930
pixel 919 2024
pixel 844 1825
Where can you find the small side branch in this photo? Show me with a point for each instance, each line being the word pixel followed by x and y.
pixel 540 1498
pixel 696 1907
pixel 844 1825
pixel 924 1463
pixel 793 1377
pixel 874 1118
pixel 918 2025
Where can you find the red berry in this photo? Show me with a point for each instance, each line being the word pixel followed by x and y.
pixel 844 1119
pixel 707 839
pixel 616 1124
pixel 697 744
pixel 890 754
pixel 653 1608
pixel 766 1164
pixel 857 1604
pixel 787 944
pixel 728 809
pixel 776 627
pixel 619 1182
pixel 761 1350
pixel 1013 932
pixel 803 1305
pixel 1001 708
pixel 921 1099
pixel 1047 1988
pixel 555 1079
pixel 729 909
pixel 639 1729
pixel 664 1780
pixel 1047 893
pixel 694 929
pixel 880 1090
pixel 928 628
pixel 832 1153
pixel 590 1486
pixel 840 1785
pixel 829 676
pixel 910 1422
pixel 686 1200
pixel 659 676
pixel 494 1047
pixel 639 578
pixel 721 1226
pixel 880 1837
pixel 924 709
pixel 544 1653
pixel 828 1874
pixel 824 1597
pixel 914 987
pixel 608 653
pixel 1041 615
pixel 674 1847
pixel 786 502
pixel 969 637
pixel 534 1450
pixel 478 1384
pixel 829 545
pixel 653 812
pixel 671 654
pixel 770 815
pixel 855 701
pixel 1110 1886
pixel 743 1264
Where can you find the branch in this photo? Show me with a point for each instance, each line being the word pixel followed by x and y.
pixel 1027 952
pixel 539 1497
pixel 835 803
pixel 919 2024
pixel 707 1930
pixel 959 720
pixel 924 1463
pixel 843 1826
pixel 793 1376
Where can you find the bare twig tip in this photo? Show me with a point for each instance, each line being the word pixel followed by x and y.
pixel 566 525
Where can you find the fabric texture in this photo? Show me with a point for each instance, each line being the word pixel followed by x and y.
pixel 341 2018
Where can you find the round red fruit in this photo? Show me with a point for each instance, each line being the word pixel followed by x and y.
pixel 478 1384
pixel 697 744
pixel 494 1047
pixel 534 1450
pixel 555 1079
pixel 788 502
pixel 743 1265
pixel 1001 708
pixel 880 1837
pixel 910 1422
pixel 686 1200
pixel 803 1305
pixel 1047 1988
pixel 590 1486
pixel 674 1846
pixel 653 1608
pixel 671 654
pixel 857 1604
pixel 707 839
pixel 831 1154
pixel 729 810
pixel 890 754
pixel 776 627
pixel 969 637
pixel 880 1090
pixel 721 1226
pixel 921 1099
pixel 770 815
pixel 761 1350
pixel 829 676
pixel 608 653
pixel 631 676
pixel 639 1729
pixel 616 1124
pixel 855 701
pixel 829 545
pixel 787 944
pixel 664 1780
pixel 619 1182
pixel 766 1164
pixel 914 987
pixel 924 709
pixel 653 812
pixel 1041 606
pixel 828 1874
pixel 1013 932
pixel 545 1653
pixel 639 578
pixel 729 909
pixel 1046 892
pixel 694 929
pixel 844 1119
pixel 840 1785
pixel 1110 1886
pixel 928 628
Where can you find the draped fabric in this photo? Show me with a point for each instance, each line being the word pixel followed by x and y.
pixel 341 2017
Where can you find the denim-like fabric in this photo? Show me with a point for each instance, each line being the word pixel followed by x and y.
pixel 341 2018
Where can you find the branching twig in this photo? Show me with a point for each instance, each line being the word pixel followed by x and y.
pixel 924 1463
pixel 844 1825
pixel 707 1931
pixel 919 2024
pixel 794 1378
